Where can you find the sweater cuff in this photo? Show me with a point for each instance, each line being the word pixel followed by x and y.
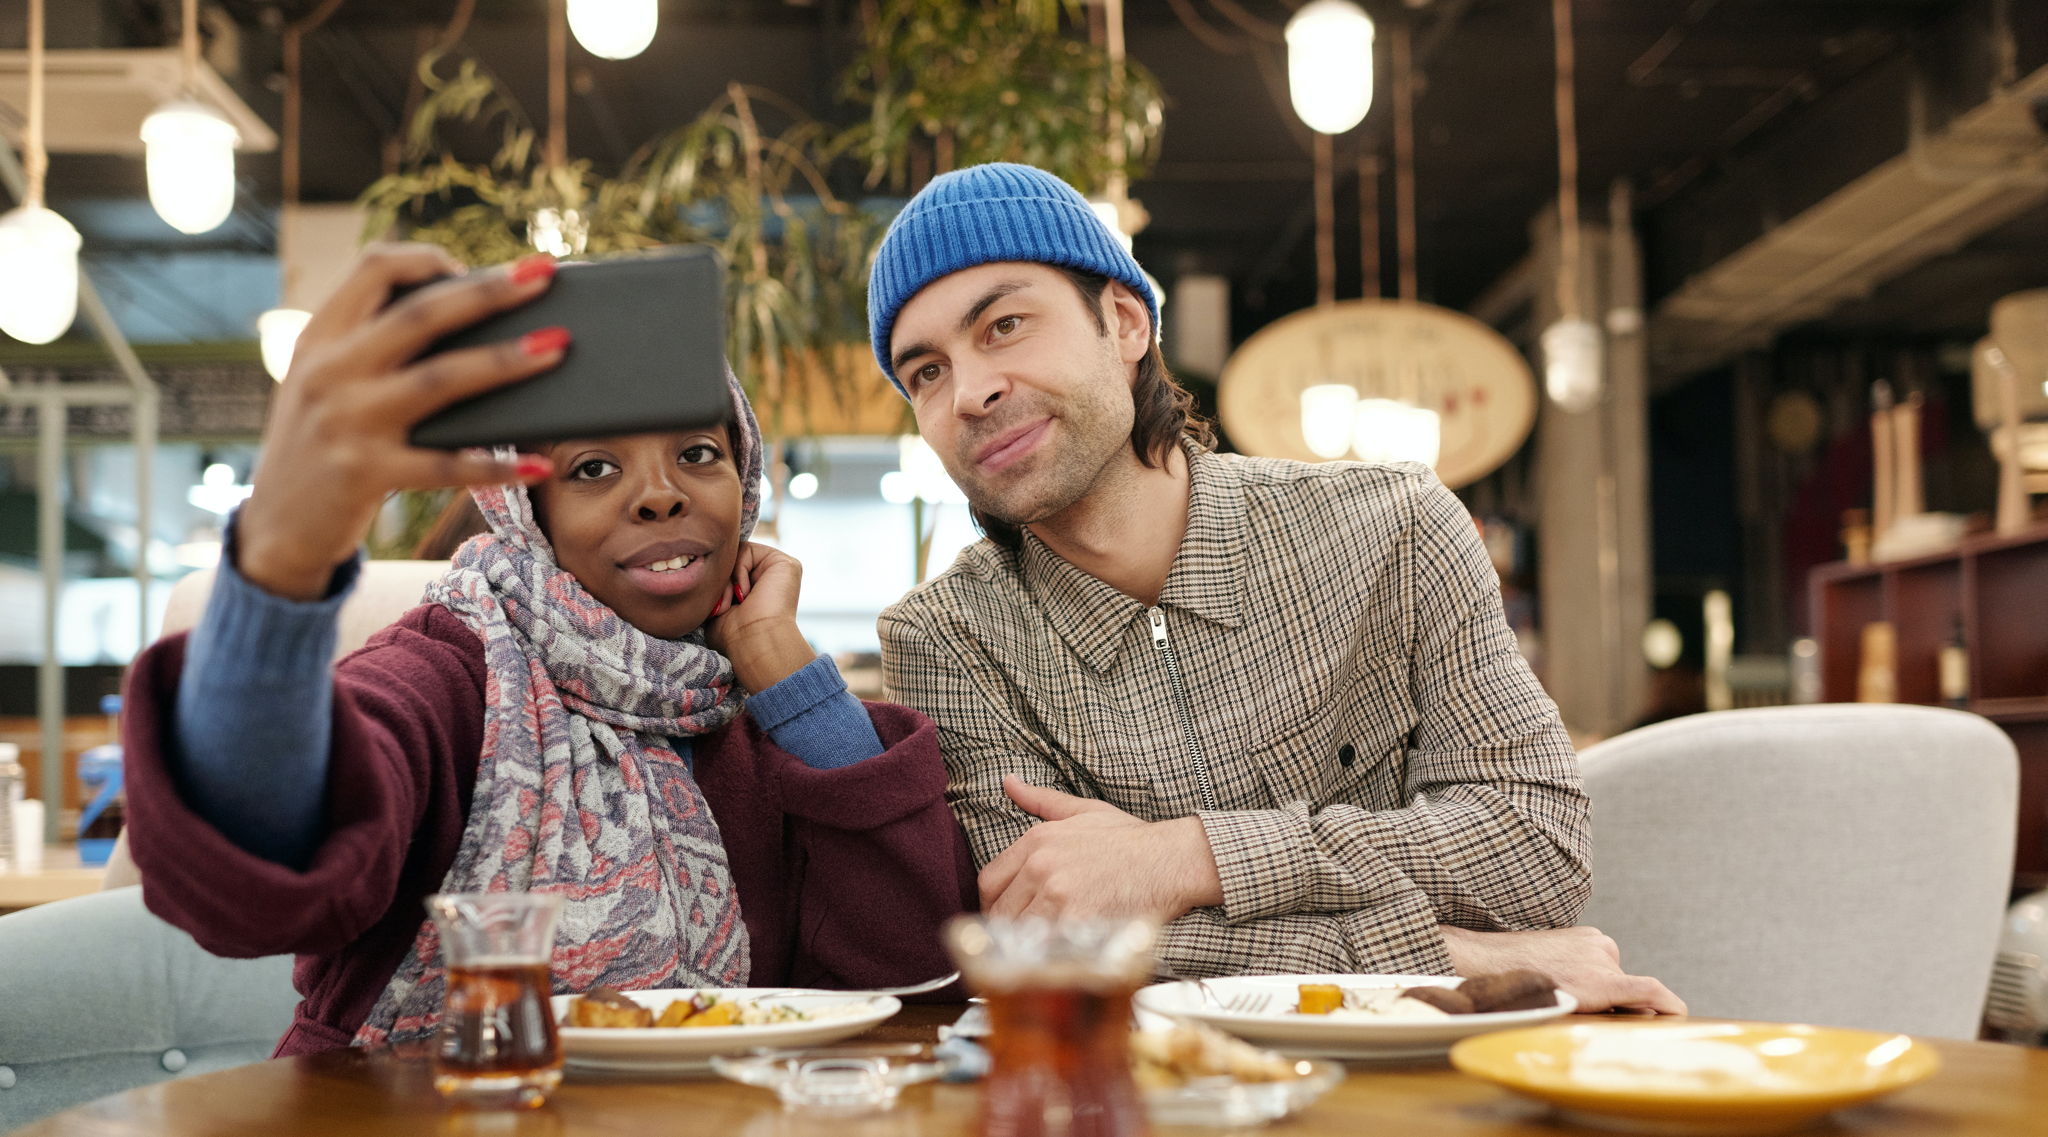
pixel 811 715
pixel 267 636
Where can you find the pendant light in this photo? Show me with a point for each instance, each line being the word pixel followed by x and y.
pixel 38 248
pixel 1572 347
pixel 614 29
pixel 1329 64
pixel 190 151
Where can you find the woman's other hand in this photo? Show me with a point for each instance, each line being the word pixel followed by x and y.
pixel 337 440
pixel 755 624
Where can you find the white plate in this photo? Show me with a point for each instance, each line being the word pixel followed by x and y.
pixel 1334 1037
pixel 681 1049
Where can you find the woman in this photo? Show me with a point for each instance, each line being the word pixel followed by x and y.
pixel 550 719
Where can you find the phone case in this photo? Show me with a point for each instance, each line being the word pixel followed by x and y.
pixel 647 352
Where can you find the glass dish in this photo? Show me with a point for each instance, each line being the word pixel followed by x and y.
pixel 1226 1103
pixel 850 1078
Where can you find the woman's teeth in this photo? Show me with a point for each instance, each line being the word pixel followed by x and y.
pixel 671 564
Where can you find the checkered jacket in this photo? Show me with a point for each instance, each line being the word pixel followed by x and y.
pixel 1379 758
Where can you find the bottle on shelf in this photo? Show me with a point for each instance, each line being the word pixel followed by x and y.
pixel 1877 674
pixel 13 788
pixel 1952 668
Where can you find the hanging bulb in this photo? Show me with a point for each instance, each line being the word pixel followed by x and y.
pixel 1571 364
pixel 1329 64
pixel 613 29
pixel 38 274
pixel 190 155
pixel 1326 413
pixel 278 332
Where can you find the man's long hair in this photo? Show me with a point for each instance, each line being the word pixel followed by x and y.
pixel 1165 410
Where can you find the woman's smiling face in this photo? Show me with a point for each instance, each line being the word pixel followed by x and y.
pixel 649 524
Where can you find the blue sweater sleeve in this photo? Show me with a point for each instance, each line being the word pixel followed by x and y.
pixel 254 713
pixel 812 715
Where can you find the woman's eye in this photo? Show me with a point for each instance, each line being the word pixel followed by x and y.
pixel 1007 324
pixel 591 469
pixel 701 454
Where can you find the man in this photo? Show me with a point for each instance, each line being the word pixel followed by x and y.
pixel 1272 704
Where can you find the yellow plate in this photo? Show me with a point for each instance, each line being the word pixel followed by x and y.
pixel 1697 1078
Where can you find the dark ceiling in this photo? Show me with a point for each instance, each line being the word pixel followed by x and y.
pixel 1671 92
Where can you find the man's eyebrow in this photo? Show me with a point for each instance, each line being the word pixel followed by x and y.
pixel 1001 289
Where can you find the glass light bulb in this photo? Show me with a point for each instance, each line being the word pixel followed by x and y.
pixel 278 332
pixel 1571 364
pixel 1326 416
pixel 190 157
pixel 613 29
pixel 1329 65
pixel 38 274
pixel 1387 430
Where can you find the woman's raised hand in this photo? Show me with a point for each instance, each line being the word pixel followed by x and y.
pixel 337 440
pixel 754 625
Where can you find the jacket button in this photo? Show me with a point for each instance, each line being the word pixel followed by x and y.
pixel 6 1077
pixel 174 1060
pixel 1346 754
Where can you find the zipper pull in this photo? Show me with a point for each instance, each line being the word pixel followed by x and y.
pixel 1158 618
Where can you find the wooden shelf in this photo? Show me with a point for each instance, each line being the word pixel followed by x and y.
pixel 2012 710
pixel 1994 586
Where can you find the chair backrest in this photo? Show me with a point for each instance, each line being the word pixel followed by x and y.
pixel 1846 865
pixel 385 591
pixel 97 996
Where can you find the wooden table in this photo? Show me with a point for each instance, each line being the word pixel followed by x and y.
pixel 1983 1090
pixel 60 878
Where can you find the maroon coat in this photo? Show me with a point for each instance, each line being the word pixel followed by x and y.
pixel 844 876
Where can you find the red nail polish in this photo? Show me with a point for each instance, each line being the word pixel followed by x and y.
pixel 737 595
pixel 532 467
pixel 544 341
pixel 526 270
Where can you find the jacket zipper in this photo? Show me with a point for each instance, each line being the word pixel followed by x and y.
pixel 1192 744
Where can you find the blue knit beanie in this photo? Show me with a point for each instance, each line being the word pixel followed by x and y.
pixel 982 214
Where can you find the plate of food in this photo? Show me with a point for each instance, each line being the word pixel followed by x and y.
pixel 681 1030
pixel 1697 1078
pixel 1361 1016
pixel 1192 1074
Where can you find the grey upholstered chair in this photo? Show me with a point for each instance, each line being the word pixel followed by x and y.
pixel 97 995
pixel 1840 864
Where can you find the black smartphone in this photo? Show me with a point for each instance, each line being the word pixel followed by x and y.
pixel 647 352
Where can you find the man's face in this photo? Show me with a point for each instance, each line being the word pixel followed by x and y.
pixel 1025 397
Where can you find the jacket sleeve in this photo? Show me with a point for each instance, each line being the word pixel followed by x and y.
pixel 1496 831
pixel 407 719
pixel 883 863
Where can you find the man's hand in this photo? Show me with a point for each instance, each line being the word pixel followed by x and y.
pixel 1581 960
pixel 1088 858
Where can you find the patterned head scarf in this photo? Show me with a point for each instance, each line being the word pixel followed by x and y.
pixel 579 788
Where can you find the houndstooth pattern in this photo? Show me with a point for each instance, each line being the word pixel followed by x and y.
pixel 579 790
pixel 1383 758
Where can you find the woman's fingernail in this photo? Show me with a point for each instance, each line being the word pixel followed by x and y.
pixel 527 269
pixel 544 341
pixel 738 595
pixel 533 467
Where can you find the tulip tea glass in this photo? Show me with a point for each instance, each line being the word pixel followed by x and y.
pixel 498 1046
pixel 1059 1000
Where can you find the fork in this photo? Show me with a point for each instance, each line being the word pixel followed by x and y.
pixel 1248 1003
pixel 866 992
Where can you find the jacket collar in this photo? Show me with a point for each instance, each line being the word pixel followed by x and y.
pixel 1206 580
